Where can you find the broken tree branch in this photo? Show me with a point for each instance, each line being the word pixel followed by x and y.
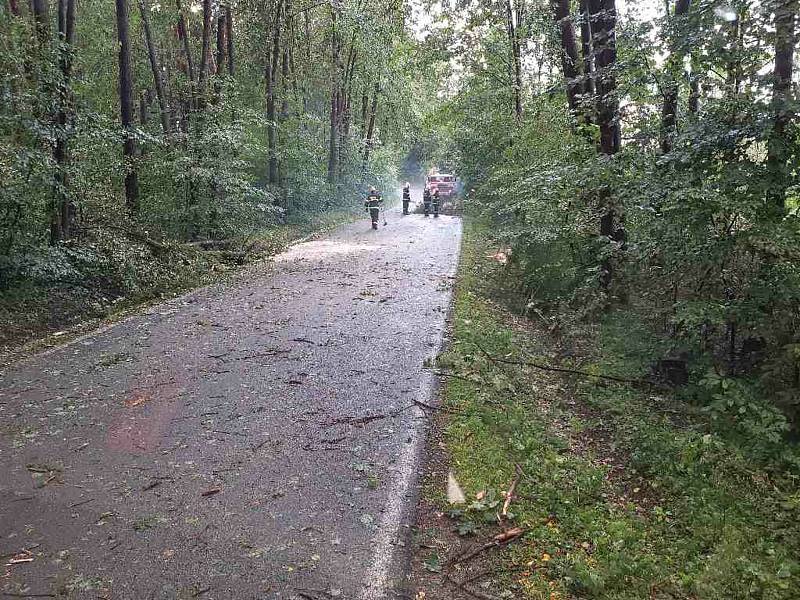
pixel 541 367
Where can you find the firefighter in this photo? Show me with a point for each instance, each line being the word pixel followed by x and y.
pixel 436 203
pixel 372 204
pixel 406 197
pixel 426 200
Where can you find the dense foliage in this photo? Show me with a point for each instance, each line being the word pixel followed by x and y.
pixel 688 223
pixel 128 128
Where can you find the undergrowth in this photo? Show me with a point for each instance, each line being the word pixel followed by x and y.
pixel 627 493
pixel 112 273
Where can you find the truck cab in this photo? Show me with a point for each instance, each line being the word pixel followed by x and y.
pixel 445 183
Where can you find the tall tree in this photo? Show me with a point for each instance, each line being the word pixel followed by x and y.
pixel 63 211
pixel 603 15
pixel 669 85
pixel 333 141
pixel 229 38
pixel 512 24
pixel 126 109
pixel 371 126
pixel 205 54
pixel 183 33
pixel 570 61
pixel 222 44
pixel 273 60
pixel 778 147
pixel 155 67
pixel 586 49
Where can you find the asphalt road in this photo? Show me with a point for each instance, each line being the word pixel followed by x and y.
pixel 255 439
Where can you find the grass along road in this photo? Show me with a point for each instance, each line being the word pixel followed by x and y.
pixel 618 498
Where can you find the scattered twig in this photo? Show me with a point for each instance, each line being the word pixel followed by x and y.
pixel 510 493
pixel 211 492
pixel 81 503
pixel 357 420
pixel 26 595
pixel 427 406
pixel 500 539
pixel 258 446
pixel 462 585
pixel 304 340
pixel 523 363
pixel 201 591
pixel 457 376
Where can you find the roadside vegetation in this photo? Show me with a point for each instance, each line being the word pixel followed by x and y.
pixel 623 490
pixel 625 332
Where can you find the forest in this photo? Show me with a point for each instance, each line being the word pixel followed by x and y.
pixel 136 132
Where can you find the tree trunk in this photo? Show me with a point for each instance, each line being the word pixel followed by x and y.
pixel 333 142
pixel 674 64
pixel 126 110
pixel 63 211
pixel 155 67
pixel 229 38
pixel 222 45
pixel 272 77
pixel 586 49
pixel 516 67
pixel 183 33
pixel 604 18
pixel 370 127
pixel 13 6
pixel 778 146
pixel 41 17
pixel 569 54
pixel 205 56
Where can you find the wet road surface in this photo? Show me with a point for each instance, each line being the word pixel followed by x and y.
pixel 255 439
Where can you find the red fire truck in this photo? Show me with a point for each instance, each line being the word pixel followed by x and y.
pixel 444 182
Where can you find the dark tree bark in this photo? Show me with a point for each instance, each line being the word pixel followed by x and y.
pixel 778 147
pixel 205 55
pixel 183 33
pixel 41 17
pixel 13 6
pixel 604 19
pixel 333 142
pixel 144 108
pixel 273 61
pixel 371 126
pixel 586 49
pixel 570 60
pixel 63 211
pixel 126 109
pixel 222 44
pixel 669 109
pixel 229 39
pixel 694 93
pixel 516 66
pixel 155 67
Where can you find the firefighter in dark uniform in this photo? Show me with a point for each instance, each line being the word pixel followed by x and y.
pixel 406 197
pixel 436 203
pixel 426 200
pixel 372 204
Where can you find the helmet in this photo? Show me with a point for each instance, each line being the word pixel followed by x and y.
pixel 407 185
pixel 372 188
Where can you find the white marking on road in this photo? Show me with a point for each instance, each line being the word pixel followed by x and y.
pixel 376 581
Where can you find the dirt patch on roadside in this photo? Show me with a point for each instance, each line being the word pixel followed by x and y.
pixel 444 564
